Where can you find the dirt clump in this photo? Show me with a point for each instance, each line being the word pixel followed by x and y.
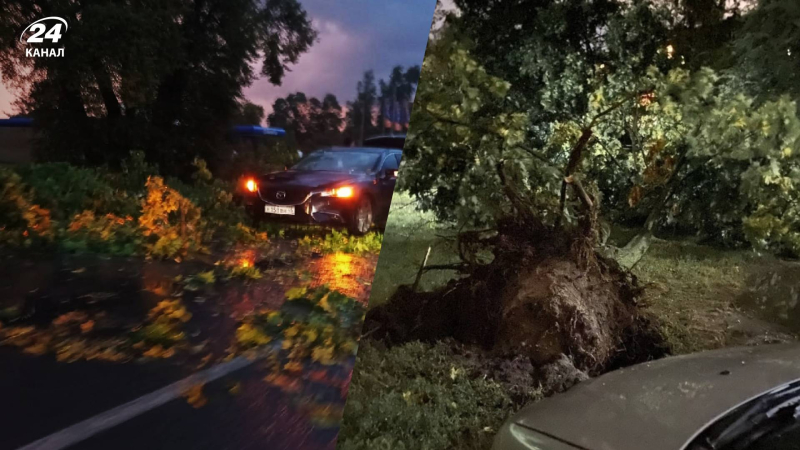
pixel 538 302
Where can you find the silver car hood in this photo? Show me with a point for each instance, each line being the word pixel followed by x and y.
pixel 661 405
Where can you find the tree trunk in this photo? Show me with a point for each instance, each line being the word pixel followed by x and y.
pixel 633 252
pixel 575 156
pixel 106 86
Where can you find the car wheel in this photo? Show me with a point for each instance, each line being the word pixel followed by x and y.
pixel 362 217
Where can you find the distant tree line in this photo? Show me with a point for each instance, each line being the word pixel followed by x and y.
pixel 313 123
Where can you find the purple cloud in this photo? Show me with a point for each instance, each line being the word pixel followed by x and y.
pixel 354 36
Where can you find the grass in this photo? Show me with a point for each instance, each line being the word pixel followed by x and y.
pixel 420 396
pixel 700 295
pixel 409 233
pixel 408 396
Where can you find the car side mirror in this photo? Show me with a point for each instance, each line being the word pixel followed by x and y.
pixel 388 174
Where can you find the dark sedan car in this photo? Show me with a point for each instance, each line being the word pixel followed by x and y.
pixel 386 141
pixel 346 186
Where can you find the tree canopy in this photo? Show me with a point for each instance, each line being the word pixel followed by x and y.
pixel 165 77
pixel 580 104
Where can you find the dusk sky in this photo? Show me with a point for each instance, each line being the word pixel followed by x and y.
pixel 354 36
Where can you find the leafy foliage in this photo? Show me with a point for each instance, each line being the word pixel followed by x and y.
pixel 340 241
pixel 23 220
pixel 164 325
pixel 310 123
pixel 67 190
pixel 767 50
pixel 103 234
pixel 171 224
pixel 319 325
pixel 661 144
pixel 126 212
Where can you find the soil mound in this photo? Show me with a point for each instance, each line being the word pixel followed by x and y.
pixel 538 306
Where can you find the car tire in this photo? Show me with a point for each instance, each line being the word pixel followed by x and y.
pixel 361 221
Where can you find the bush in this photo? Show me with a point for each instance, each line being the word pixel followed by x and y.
pixel 21 220
pixel 133 211
pixel 213 196
pixel 68 190
pixel 170 223
pixel 106 234
pixel 340 241
pixel 418 396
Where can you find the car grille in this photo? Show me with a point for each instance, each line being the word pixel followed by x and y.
pixel 291 196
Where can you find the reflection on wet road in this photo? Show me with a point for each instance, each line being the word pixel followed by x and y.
pixel 348 274
pixel 83 334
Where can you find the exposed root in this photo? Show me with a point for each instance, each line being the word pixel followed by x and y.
pixel 540 299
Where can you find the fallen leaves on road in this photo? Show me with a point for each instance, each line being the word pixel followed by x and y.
pixel 195 397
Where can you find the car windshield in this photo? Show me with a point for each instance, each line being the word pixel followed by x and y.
pixel 769 422
pixel 338 161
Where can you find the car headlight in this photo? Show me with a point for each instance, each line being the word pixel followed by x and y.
pixel 341 192
pixel 251 185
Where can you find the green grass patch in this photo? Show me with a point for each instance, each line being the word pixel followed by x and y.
pixel 409 233
pixel 694 291
pixel 419 396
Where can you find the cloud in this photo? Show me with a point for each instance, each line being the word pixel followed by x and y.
pixel 354 36
pixel 315 72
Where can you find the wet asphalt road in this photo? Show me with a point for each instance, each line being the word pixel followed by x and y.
pixel 40 396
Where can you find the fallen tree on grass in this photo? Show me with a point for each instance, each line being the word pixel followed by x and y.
pixel 530 168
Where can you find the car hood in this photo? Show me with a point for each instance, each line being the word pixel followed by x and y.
pixel 310 179
pixel 661 405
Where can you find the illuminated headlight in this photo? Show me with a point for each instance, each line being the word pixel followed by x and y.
pixel 341 192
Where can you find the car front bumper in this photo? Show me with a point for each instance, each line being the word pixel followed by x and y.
pixel 315 210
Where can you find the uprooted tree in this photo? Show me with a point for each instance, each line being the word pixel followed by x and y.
pixel 603 122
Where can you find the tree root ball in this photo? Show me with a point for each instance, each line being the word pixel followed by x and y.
pixel 540 310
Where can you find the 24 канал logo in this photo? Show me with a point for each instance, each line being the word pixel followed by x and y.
pixel 43 31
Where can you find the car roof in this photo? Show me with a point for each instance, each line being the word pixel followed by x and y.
pixel 386 136
pixel 362 149
pixel 661 405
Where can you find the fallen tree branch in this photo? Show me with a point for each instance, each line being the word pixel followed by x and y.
pixel 420 271
pixel 455 267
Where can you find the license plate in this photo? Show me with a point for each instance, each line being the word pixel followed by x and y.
pixel 282 210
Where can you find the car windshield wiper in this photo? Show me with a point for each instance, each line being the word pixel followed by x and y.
pixel 777 411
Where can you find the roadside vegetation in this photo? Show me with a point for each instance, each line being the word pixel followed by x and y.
pixel 136 211
pixel 198 241
pixel 610 192
pixel 703 298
